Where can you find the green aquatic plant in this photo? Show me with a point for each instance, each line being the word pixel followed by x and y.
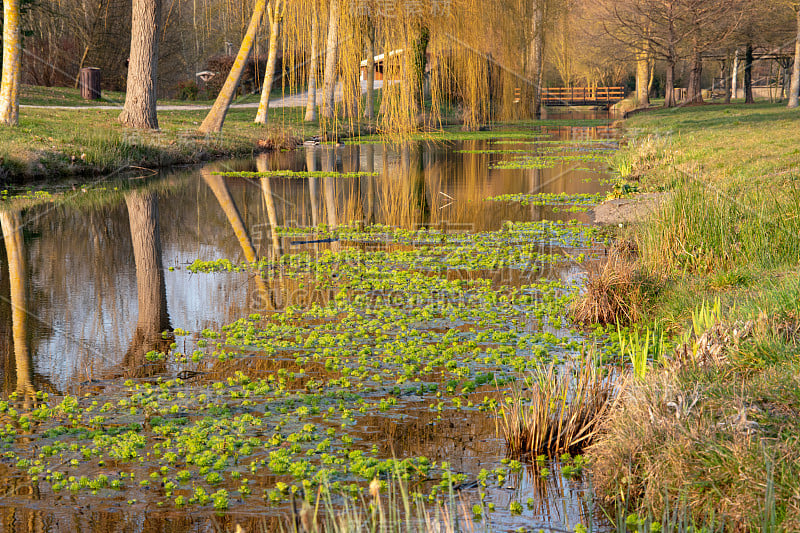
pixel 639 350
pixel 706 316
pixel 547 161
pixel 294 174
pixel 574 202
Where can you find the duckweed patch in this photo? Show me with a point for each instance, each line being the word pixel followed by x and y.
pixel 293 174
pixel 549 161
pixel 573 202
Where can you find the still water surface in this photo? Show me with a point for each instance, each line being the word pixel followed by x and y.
pixel 84 316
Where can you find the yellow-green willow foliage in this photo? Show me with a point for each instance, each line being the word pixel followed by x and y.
pixel 440 58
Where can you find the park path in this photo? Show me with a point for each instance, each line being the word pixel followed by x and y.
pixel 293 100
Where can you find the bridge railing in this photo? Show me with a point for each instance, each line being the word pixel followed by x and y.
pixel 581 95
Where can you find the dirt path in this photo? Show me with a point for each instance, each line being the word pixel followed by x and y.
pixel 293 100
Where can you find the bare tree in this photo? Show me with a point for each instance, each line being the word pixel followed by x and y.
pixel 671 30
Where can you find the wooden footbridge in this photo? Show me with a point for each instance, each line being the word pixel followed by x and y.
pixel 575 96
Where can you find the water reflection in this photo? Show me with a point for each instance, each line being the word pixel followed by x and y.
pixel 93 285
pixel 153 320
pixel 22 366
pixel 96 281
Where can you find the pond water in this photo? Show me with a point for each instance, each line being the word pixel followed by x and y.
pixel 363 282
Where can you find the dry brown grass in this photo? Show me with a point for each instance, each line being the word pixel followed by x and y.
pixel 278 138
pixel 616 290
pixel 561 412
pixel 708 449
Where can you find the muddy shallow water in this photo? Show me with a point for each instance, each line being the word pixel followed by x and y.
pixel 84 298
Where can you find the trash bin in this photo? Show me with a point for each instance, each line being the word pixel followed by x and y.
pixel 90 83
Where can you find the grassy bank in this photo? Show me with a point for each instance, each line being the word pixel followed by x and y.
pixel 713 429
pixel 61 142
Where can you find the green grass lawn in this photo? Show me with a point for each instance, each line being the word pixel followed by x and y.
pixel 727 239
pixel 69 96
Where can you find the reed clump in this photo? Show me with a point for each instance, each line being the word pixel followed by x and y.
pixel 560 411
pixel 391 506
pixel 616 290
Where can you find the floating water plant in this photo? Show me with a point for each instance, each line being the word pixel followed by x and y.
pixel 295 174
pixel 574 202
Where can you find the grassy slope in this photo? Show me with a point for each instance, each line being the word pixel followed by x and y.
pixel 729 231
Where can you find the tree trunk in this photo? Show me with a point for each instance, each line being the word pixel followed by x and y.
pixel 669 94
pixel 368 185
pixel 311 166
pixel 369 111
pixel 536 55
pixel 220 189
pixel 418 60
pixel 275 18
pixel 328 190
pixel 735 76
pixel 331 60
pixel 748 75
pixel 786 78
pixel 11 223
pixel 642 79
pixel 141 96
pixel 329 166
pixel 695 89
pixel 269 202
pixel 151 289
pixel 12 63
pixel 311 105
pixel 216 117
pixel 728 62
pixel 794 91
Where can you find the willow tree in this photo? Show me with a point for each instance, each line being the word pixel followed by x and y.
pixel 12 63
pixel 276 11
pixel 216 117
pixel 141 96
pixel 311 103
pixel 369 109
pixel 331 61
pixel 536 53
pixel 269 202
pixel 455 34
